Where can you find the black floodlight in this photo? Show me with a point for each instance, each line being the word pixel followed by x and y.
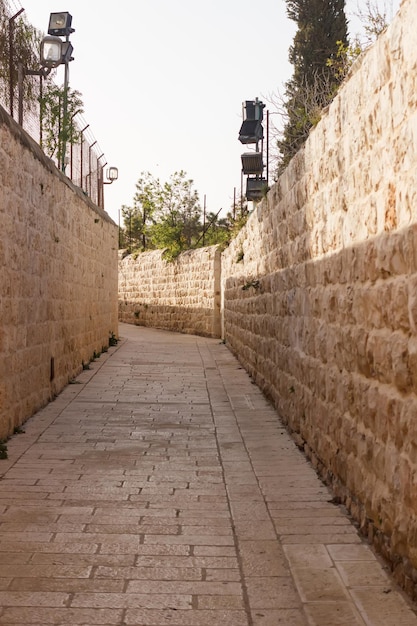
pixel 252 163
pixel 254 110
pixel 252 130
pixel 255 189
pixel 60 24
pixel 67 50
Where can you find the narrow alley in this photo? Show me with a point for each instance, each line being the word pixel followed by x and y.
pixel 161 488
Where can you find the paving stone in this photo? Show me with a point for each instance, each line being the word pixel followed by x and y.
pixel 319 584
pixel 199 617
pixel 362 573
pixel 333 614
pixel 185 587
pixel 343 552
pixel 383 607
pixel 150 573
pixel 272 592
pixel 39 571
pixel 67 585
pixel 263 558
pixel 75 617
pixel 219 602
pixel 132 600
pixel 283 617
pixel 28 598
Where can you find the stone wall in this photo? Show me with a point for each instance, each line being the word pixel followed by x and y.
pixel 181 295
pixel 320 295
pixel 58 285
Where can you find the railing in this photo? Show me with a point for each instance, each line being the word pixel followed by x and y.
pixel 21 92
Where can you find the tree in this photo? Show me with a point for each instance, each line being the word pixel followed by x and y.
pixel 139 217
pixel 177 215
pixel 321 25
pixel 59 130
pixel 164 215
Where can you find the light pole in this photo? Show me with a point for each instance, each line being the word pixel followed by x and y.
pixel 55 52
pixel 252 132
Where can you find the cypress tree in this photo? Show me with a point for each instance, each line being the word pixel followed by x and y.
pixel 321 25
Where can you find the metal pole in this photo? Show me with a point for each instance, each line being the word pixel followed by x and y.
pixel 20 77
pixel 41 112
pixel 209 224
pixel 65 115
pixel 82 156
pixel 100 182
pixel 267 148
pixel 130 230
pixel 11 57
pixel 241 193
pixel 89 166
pixel 234 203
pixel 204 218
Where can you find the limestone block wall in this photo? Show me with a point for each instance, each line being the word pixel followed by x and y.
pixel 320 294
pixel 181 295
pixel 58 281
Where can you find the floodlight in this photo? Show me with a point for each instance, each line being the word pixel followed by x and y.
pixel 60 24
pixel 51 51
pixel 252 163
pixel 112 174
pixel 255 188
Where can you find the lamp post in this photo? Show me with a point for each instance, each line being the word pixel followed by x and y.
pixel 55 52
pixel 252 132
pixel 112 174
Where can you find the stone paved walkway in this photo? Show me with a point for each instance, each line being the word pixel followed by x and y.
pixel 161 489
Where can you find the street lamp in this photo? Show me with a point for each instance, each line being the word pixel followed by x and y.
pixel 55 52
pixel 51 51
pixel 112 174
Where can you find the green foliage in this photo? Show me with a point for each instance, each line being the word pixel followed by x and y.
pixel 168 216
pixel 3 449
pixel 177 216
pixel 113 340
pixel 321 23
pixel 59 130
pixel 345 57
pixel 139 217
pixel 255 284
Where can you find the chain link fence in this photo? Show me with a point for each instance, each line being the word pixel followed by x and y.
pixel 30 96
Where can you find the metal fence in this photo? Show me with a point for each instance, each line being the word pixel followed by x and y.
pixel 21 92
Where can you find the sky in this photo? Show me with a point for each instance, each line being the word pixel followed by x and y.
pixel 163 83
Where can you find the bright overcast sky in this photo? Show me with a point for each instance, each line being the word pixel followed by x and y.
pixel 163 83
